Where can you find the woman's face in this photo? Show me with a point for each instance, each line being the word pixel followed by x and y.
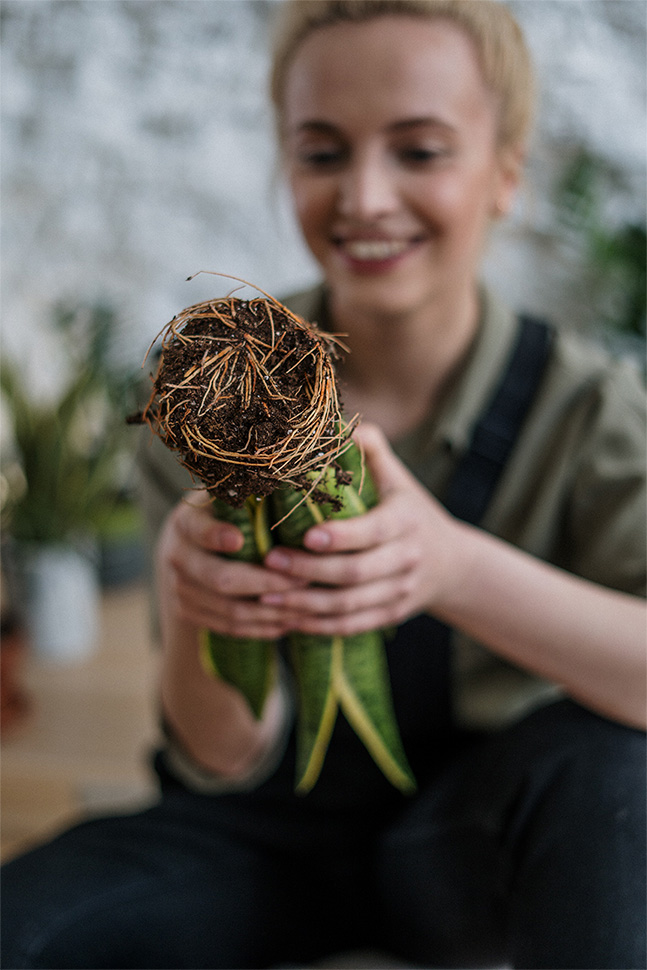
pixel 390 143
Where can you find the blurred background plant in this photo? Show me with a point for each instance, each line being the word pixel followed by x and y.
pixel 613 279
pixel 66 465
pixel 66 482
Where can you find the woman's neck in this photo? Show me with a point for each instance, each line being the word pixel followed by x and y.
pixel 398 368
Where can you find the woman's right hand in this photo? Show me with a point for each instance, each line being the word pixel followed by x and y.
pixel 201 587
pixel 197 588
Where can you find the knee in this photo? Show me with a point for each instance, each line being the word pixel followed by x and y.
pixel 606 766
pixel 28 935
pixel 42 925
pixel 24 942
pixel 584 794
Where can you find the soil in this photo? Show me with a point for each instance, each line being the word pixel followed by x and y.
pixel 245 392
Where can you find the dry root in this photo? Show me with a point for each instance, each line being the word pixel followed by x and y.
pixel 246 394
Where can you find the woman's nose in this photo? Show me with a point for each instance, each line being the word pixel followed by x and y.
pixel 366 190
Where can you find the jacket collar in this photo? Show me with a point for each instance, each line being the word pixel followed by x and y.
pixel 473 386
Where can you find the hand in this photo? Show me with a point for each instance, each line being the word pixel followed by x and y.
pixel 199 586
pixel 374 570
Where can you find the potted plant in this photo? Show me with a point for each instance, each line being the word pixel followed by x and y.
pixel 61 482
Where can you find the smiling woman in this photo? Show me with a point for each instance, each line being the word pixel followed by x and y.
pixel 505 554
pixel 394 189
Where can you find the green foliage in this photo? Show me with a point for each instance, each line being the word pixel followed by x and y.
pixel 247 663
pixel 336 673
pixel 90 334
pixel 332 673
pixel 615 255
pixel 60 475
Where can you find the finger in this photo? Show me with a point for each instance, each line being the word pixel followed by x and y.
pixel 347 568
pixel 198 525
pixel 321 602
pixel 387 522
pixel 388 472
pixel 347 535
pixel 235 618
pixel 348 624
pixel 243 630
pixel 380 524
pixel 222 578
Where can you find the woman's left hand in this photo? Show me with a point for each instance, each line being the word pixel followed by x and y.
pixel 377 569
pixel 408 555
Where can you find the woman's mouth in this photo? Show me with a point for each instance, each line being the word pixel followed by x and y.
pixel 374 249
pixel 373 255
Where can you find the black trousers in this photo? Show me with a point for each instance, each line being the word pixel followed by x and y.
pixel 525 848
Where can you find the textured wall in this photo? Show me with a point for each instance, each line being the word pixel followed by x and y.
pixel 137 149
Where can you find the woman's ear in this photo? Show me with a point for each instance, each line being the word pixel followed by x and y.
pixel 511 162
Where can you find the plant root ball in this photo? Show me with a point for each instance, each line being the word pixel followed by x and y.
pixel 246 394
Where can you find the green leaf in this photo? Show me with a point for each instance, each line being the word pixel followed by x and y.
pixel 350 673
pixel 293 513
pixel 345 504
pixel 352 460
pixel 363 687
pixel 332 672
pixel 248 664
pixel 313 659
pixel 68 481
pixel 252 520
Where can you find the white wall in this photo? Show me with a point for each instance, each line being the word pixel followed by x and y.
pixel 137 149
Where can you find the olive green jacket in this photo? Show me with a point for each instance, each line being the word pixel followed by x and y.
pixel 572 494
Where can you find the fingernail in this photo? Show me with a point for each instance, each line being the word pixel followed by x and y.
pixel 277 559
pixel 317 539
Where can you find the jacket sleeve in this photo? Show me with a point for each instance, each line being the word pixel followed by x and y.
pixel 608 504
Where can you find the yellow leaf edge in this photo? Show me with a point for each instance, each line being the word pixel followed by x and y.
pixel 356 714
pixel 315 762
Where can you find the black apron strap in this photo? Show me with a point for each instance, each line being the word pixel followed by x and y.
pixel 473 484
pixel 496 431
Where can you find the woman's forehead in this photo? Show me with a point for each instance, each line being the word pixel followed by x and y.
pixel 396 66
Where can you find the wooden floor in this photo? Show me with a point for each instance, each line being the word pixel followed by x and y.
pixel 84 740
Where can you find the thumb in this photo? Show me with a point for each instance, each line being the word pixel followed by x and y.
pixel 389 474
pixel 200 526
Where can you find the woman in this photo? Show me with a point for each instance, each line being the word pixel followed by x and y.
pixel 519 664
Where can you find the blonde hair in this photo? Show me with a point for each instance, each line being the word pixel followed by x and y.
pixel 501 49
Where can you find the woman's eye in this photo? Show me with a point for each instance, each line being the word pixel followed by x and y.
pixel 418 155
pixel 321 157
